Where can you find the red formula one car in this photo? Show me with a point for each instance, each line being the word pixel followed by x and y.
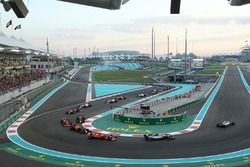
pixel 72 111
pixel 80 119
pixel 66 122
pixel 121 98
pixel 76 127
pixel 100 136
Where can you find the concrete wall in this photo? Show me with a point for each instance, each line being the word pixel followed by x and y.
pixel 9 108
pixel 18 92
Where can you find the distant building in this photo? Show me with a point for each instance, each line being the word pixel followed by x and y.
pixel 245 53
pixel 124 55
pixel 45 63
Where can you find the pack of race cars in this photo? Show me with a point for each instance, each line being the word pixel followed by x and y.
pixel 80 119
pixel 77 127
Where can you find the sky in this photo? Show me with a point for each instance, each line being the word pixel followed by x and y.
pixel 214 27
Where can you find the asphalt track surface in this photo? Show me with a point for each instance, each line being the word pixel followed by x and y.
pixel 231 103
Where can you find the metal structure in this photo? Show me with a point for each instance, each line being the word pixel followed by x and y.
pixel 185 75
pixel 21 10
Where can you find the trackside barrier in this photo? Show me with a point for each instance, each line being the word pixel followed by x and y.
pixel 157 121
pixel 5 124
pixel 185 105
pixel 151 121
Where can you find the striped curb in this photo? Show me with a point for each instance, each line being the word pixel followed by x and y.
pixel 12 129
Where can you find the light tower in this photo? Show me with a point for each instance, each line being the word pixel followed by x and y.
pixel 185 75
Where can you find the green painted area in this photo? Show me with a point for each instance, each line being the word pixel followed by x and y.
pixel 30 155
pixel 212 69
pixel 135 76
pixel 107 123
pixel 136 80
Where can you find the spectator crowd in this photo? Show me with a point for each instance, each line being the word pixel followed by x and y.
pixel 12 63
pixel 17 79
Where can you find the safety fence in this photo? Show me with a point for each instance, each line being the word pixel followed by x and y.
pixel 12 118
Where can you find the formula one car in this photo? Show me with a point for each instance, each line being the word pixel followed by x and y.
pixel 85 131
pixel 225 124
pixel 121 98
pixel 80 119
pixel 112 101
pixel 141 95
pixel 151 137
pixel 154 92
pixel 72 111
pixel 66 122
pixel 100 136
pixel 86 105
pixel 76 127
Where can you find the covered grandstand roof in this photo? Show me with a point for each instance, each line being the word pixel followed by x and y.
pixel 246 47
pixel 13 46
pixel 13 42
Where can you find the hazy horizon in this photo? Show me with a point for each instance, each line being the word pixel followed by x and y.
pixel 214 27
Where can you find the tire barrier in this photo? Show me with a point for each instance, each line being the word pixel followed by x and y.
pixel 151 121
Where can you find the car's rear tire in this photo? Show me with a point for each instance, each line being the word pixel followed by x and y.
pixel 218 125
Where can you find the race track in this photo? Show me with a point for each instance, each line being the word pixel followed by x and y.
pixel 231 103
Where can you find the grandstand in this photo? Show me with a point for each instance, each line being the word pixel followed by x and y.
pixel 19 72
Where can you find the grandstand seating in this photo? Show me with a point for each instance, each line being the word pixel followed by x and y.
pixel 10 64
pixel 14 74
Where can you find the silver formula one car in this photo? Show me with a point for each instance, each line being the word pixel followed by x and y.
pixel 151 137
pixel 141 95
pixel 225 124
